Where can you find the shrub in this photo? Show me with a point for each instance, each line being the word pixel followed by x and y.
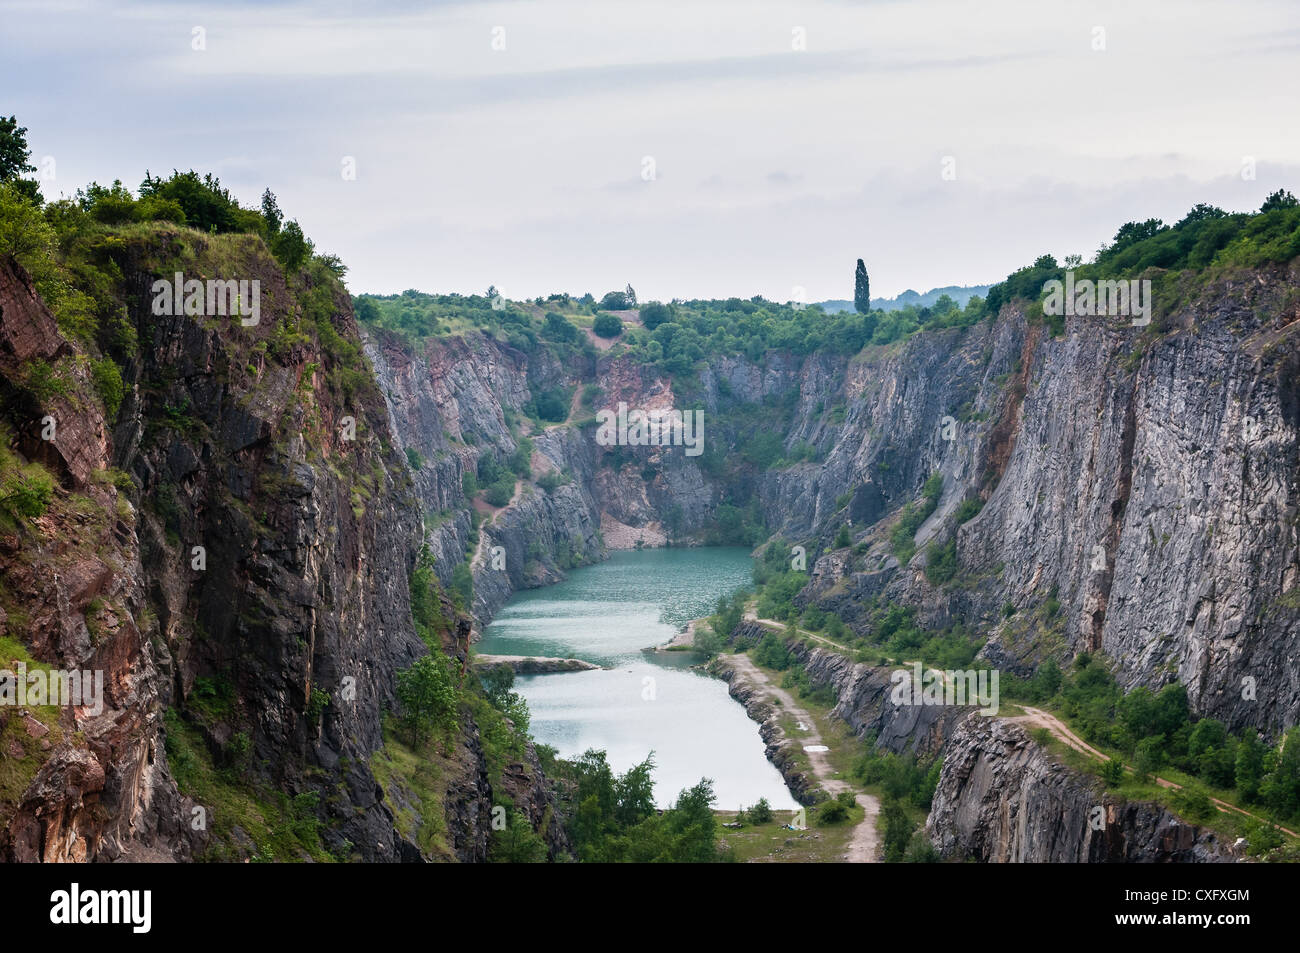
pixel 832 812
pixel 414 459
pixel 607 326
pixel 430 701
pixel 27 492
pixel 761 813
pixel 968 509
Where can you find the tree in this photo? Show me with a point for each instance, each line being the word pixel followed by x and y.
pixel 761 813
pixel 428 695
pixel 14 154
pixel 1150 755
pixel 630 297
pixel 24 231
pixel 898 831
pixel 517 842
pixel 861 289
pixel 291 247
pixel 607 326
pixel 271 212
pixel 13 150
pixel 1279 199
pixel 1250 765
pixel 654 314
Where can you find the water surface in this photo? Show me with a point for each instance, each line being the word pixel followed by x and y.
pixel 640 702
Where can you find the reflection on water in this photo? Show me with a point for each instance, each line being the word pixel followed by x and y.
pixel 608 614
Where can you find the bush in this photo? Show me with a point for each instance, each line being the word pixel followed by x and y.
pixel 108 384
pixel 772 653
pixel 920 850
pixel 430 701
pixel 27 493
pixel 414 459
pixel 941 562
pixel 607 326
pixel 500 492
pixel 968 509
pixel 761 813
pixel 832 812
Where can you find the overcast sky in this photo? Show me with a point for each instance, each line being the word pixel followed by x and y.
pixel 774 167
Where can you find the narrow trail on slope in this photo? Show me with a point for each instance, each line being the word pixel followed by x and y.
pixel 1041 719
pixel 1038 718
pixel 477 561
pixel 864 846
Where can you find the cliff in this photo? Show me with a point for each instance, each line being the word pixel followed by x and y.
pixel 231 547
pixel 1002 799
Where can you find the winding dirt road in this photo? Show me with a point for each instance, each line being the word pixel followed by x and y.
pixel 1038 718
pixel 864 846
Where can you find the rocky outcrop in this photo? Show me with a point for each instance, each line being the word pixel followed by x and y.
pixel 234 546
pixel 534 664
pixel 94 785
pixel 1002 799
pixel 1145 479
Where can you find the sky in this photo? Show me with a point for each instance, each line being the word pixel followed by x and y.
pixel 692 149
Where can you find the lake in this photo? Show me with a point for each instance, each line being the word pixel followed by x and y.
pixel 640 701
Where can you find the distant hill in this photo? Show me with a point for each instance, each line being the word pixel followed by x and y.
pixel 959 293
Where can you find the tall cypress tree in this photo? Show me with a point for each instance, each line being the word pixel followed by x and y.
pixel 861 290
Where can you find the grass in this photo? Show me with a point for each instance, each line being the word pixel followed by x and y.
pixel 1229 825
pixel 772 843
pixel 415 787
pixel 16 773
pixel 281 828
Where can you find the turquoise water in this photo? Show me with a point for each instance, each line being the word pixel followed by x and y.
pixel 639 702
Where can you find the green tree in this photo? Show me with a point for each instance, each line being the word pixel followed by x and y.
pixel 517 842
pixel 654 314
pixel 920 850
pixel 24 233
pixel 14 164
pixel 607 326
pixel 1149 756
pixel 761 813
pixel 1280 789
pixel 14 152
pixel 898 831
pixel 1250 765
pixel 861 289
pixel 1279 199
pixel 291 247
pixel 427 691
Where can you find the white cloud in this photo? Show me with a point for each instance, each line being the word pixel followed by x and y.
pixel 774 166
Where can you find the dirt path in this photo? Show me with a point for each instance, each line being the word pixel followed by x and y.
pixel 864 846
pixel 1041 719
pixel 752 616
pixel 477 561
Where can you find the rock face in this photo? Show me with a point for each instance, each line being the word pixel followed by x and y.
pixel 234 554
pixel 235 544
pixel 1145 479
pixel 94 786
pixel 1001 799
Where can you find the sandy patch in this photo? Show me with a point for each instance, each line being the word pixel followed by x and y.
pixel 621 536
